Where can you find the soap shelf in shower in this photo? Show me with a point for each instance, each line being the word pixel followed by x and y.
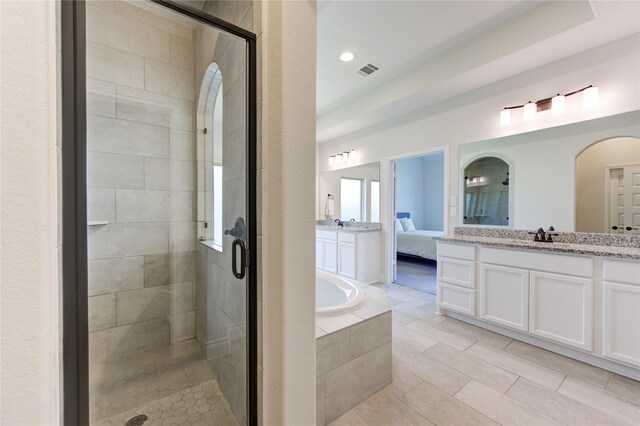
pixel 97 222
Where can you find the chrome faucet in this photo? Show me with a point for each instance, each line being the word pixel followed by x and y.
pixel 542 236
pixel 339 222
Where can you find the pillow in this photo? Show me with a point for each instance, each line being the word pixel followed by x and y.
pixel 399 227
pixel 407 224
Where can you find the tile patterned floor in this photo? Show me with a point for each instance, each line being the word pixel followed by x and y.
pixel 447 372
pixel 419 275
pixel 171 386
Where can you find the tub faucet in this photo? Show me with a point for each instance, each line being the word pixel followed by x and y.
pixel 339 222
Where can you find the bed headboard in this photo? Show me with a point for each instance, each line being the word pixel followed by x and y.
pixel 402 215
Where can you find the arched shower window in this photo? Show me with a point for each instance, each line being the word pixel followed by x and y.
pixel 211 106
pixel 486 192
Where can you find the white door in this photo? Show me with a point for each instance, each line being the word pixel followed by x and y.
pixel 504 296
pixel 624 200
pixel 621 322
pixel 561 309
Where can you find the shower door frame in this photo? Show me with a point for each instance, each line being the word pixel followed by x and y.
pixel 75 319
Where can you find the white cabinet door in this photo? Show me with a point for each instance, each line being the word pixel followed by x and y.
pixel 561 309
pixel 319 254
pixel 621 322
pixel 504 296
pixel 347 259
pixel 330 255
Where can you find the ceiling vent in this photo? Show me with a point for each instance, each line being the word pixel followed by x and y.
pixel 367 70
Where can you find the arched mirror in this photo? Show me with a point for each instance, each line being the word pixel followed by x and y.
pixel 608 187
pixel 486 192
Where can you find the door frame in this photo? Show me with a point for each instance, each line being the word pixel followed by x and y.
pixel 391 254
pixel 75 321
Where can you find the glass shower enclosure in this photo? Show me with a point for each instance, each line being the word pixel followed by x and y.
pixel 165 329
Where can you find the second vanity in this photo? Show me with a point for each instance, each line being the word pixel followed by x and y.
pixel 580 300
pixel 351 251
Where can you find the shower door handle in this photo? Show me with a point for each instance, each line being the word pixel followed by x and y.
pixel 243 258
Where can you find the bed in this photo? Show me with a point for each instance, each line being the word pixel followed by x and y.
pixel 418 243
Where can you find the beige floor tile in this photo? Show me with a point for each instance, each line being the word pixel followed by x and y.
pixel 455 340
pixel 558 406
pixel 585 372
pixel 442 409
pixel 500 407
pixel 401 318
pixel 482 371
pixel 520 366
pixel 413 339
pixel 601 400
pixel 624 388
pixel 383 409
pixel 350 418
pixel 403 380
pixel 434 372
pixel 481 335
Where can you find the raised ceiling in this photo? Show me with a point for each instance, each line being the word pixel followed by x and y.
pixel 429 51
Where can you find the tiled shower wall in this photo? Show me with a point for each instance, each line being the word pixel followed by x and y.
pixel 142 178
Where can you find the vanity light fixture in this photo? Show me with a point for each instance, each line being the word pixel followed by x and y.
pixel 346 56
pixel 342 157
pixel 556 104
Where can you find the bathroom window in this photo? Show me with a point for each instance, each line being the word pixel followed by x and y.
pixel 375 201
pixel 351 198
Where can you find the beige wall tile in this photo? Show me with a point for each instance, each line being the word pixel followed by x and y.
pixel 114 171
pixel 558 406
pixel 126 137
pixel 234 155
pixel 142 304
pixel 156 270
pixel 234 105
pixel 482 371
pixel 154 16
pixel 182 236
pixel 355 381
pixel 101 98
pixel 118 274
pixel 139 337
pixel 183 267
pixel 527 369
pixel 168 80
pixel 500 407
pixel 140 205
pixel 181 297
pixel 154 108
pixel 101 204
pixel 115 66
pixel 182 326
pixel 102 312
pixel 370 334
pixel 332 351
pixel 126 34
pixel 182 208
pixel 320 396
pixel 156 173
pixel 442 409
pixel 182 145
pixel 182 52
pixel 128 239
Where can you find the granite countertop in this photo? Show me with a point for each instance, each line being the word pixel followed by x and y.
pixel 584 249
pixel 348 228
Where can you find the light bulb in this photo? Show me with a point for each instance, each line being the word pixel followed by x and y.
pixel 352 156
pixel 590 97
pixel 347 156
pixel 557 104
pixel 338 158
pixel 530 111
pixel 505 117
pixel 332 160
pixel 346 57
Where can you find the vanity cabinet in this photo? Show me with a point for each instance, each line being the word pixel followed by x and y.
pixel 349 254
pixel 457 278
pixel 621 311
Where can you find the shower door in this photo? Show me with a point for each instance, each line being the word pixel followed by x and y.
pixel 169 297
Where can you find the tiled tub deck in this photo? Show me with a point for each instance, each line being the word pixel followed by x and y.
pixel 353 355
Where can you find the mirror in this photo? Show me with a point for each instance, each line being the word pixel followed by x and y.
pixel 350 193
pixel 486 192
pixel 581 177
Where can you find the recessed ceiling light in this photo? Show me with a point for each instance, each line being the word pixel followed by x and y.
pixel 346 57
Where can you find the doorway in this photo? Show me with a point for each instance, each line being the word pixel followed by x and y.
pixel 418 215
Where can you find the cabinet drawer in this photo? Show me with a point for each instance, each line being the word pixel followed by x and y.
pixel 622 272
pixel 327 235
pixel 458 272
pixel 561 264
pixel 457 251
pixel 457 298
pixel 347 237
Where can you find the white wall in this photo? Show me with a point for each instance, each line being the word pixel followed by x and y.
pixel 29 337
pixel 475 115
pixel 433 175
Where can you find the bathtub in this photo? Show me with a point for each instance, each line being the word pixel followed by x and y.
pixel 335 294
